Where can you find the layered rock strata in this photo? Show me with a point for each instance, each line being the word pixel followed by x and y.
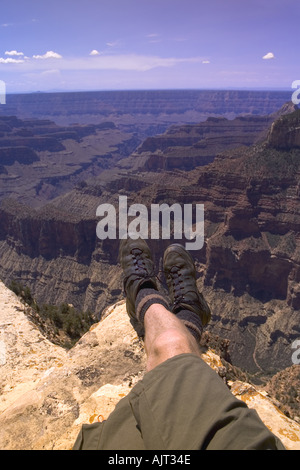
pixel 40 160
pixel 248 267
pixel 149 106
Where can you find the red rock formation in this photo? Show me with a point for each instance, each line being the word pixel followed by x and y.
pixel 249 266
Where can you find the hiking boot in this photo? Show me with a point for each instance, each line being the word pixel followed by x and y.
pixel 180 273
pixel 138 267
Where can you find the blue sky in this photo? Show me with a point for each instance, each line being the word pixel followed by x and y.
pixel 148 44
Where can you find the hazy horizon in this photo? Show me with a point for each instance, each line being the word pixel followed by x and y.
pixel 110 45
pixel 271 90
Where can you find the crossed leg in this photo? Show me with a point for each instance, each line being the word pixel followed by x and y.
pixel 165 336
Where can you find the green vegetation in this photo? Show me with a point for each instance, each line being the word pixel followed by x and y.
pixel 274 163
pixel 63 318
pixel 23 292
pixel 284 243
pixel 284 387
pixel 292 118
pixel 273 239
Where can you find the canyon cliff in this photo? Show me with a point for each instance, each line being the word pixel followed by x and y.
pixel 47 392
pixel 39 160
pixel 249 265
pixel 143 108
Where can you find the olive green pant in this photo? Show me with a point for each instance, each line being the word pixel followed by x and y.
pixel 182 404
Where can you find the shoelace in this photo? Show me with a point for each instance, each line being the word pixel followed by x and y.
pixel 177 285
pixel 140 266
pixel 177 281
pixel 139 262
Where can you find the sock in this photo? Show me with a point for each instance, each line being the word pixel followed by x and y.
pixel 192 321
pixel 146 297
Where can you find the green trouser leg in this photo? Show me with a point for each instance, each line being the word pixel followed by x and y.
pixel 180 405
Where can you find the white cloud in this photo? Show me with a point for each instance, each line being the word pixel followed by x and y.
pixel 268 56
pixel 134 62
pixel 153 38
pixel 9 60
pixel 14 53
pixel 50 72
pixel 112 44
pixel 94 52
pixel 130 62
pixel 48 55
pixel 205 61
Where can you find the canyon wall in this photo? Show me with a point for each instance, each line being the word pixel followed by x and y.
pixel 248 267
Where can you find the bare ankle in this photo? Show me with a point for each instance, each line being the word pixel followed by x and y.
pixel 168 344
